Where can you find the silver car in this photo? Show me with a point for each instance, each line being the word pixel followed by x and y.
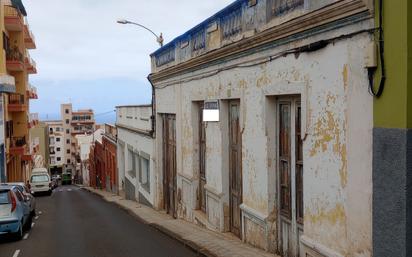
pixel 28 197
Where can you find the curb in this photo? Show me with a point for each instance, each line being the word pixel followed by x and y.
pixel 187 243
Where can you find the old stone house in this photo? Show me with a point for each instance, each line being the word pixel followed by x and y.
pixel 287 164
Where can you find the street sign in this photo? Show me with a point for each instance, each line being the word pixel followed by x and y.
pixel 211 111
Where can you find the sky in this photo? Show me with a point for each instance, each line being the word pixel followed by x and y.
pixel 83 56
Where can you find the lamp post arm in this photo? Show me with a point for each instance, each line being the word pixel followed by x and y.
pixel 158 38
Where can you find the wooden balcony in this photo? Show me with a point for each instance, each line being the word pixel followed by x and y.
pixel 18 145
pixel 13 19
pixel 17 103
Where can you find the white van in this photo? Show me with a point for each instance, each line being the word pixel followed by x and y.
pixel 40 181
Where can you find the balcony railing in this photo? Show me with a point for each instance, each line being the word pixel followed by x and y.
pixel 14 59
pixel 17 142
pixel 16 99
pixel 17 103
pixel 32 92
pixel 30 64
pixel 33 119
pixel 29 39
pixel 13 19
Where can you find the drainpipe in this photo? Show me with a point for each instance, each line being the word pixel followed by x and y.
pixel 153 118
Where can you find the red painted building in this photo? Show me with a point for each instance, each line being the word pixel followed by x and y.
pixel 102 159
pixel 109 157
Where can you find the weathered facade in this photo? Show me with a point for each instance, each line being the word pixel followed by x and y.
pixel 109 142
pixel 135 153
pixel 288 165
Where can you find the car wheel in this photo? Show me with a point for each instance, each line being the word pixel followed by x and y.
pixel 50 193
pixel 19 234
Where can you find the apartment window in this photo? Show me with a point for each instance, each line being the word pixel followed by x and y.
pixel 68 161
pixel 144 175
pixel 67 121
pixel 58 149
pixel 59 159
pixel 57 139
pixel 68 151
pixel 66 111
pixel 57 129
pixel 67 131
pixel 131 161
pixel 67 141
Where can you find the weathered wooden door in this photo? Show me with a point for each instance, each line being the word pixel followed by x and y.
pixel 290 176
pixel 235 168
pixel 202 160
pixel 169 163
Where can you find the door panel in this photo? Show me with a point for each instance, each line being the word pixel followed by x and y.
pixel 202 160
pixel 235 166
pixel 169 163
pixel 290 175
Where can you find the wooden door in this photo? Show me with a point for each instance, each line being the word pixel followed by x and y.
pixel 169 163
pixel 290 176
pixel 235 168
pixel 202 160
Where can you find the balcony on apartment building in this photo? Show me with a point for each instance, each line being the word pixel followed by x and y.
pixel 14 59
pixel 18 145
pixel 110 131
pixel 32 92
pixel 13 19
pixel 29 40
pixel 33 120
pixel 30 64
pixel 17 103
pixel 82 119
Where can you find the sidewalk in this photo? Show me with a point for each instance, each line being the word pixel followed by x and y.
pixel 203 241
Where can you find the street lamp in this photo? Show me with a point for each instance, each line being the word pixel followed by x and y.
pixel 159 38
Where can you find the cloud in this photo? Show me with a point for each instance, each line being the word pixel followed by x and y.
pixel 80 39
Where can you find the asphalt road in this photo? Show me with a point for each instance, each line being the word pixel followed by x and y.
pixel 75 223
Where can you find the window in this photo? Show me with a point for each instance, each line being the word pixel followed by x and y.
pixel 57 129
pixel 58 149
pixel 68 151
pixel 40 178
pixel 68 161
pixel 67 121
pixel 67 131
pixel 144 175
pixel 58 139
pixel 59 159
pixel 67 141
pixel 18 194
pixel 131 163
pixel 66 111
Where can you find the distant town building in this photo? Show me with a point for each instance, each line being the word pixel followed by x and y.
pixel 40 146
pixel 74 123
pixel 56 146
pixel 109 142
pixel 135 153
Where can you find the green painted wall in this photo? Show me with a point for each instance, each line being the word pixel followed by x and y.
pixel 394 108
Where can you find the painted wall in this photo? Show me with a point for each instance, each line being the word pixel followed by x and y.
pixel 338 122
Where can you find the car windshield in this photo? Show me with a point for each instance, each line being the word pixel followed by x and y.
pixel 40 178
pixel 4 197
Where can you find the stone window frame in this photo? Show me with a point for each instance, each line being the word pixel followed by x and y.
pixel 131 161
pixel 144 156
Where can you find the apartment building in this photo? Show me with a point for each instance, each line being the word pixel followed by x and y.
pixel 75 123
pixel 55 146
pixel 109 142
pixel 15 61
pixel 40 145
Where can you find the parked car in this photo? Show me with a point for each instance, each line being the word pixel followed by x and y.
pixel 23 188
pixel 67 178
pixel 14 212
pixel 40 183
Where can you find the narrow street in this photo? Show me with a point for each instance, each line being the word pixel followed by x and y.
pixel 73 222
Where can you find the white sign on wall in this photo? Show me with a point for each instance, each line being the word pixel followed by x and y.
pixel 211 111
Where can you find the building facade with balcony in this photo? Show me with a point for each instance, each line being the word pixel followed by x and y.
pixel 75 123
pixel 55 134
pixel 286 164
pixel 18 150
pixel 136 153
